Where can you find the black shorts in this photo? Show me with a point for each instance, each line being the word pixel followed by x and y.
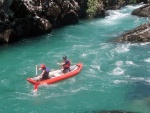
pixel 66 70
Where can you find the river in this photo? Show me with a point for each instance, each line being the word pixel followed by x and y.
pixel 115 76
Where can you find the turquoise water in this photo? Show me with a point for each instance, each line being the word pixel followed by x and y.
pixel 115 76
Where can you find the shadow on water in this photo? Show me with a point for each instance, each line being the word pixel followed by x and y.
pixel 140 90
pixel 139 96
pixel 114 111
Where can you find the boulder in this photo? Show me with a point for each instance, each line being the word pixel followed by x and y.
pixel 44 25
pixel 26 18
pixel 142 1
pixel 20 9
pixel 83 8
pixel 70 18
pixel 139 34
pixel 143 11
pixel 8 36
pixel 32 27
pixel 3 16
pixel 114 4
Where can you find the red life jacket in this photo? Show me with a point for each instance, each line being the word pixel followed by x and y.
pixel 67 64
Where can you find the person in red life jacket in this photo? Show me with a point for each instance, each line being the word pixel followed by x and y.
pixel 65 64
pixel 44 74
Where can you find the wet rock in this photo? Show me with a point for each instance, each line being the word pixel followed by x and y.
pixel 36 17
pixel 5 5
pixel 83 8
pixel 44 25
pixel 143 11
pixel 53 10
pixel 114 4
pixel 32 27
pixel 29 20
pixel 74 5
pixel 20 9
pixel 53 14
pixel 69 12
pixel 142 1
pixel 70 18
pixel 3 16
pixel 24 27
pixel 66 6
pixel 8 36
pixel 139 34
pixel 101 13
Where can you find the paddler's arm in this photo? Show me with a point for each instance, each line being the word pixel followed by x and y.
pixel 41 75
pixel 61 63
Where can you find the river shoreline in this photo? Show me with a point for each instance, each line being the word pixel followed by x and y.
pixel 115 76
pixel 25 19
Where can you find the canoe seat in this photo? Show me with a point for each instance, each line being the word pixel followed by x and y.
pixel 74 67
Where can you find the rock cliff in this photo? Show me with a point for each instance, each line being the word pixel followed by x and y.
pixel 139 34
pixel 27 18
pixel 143 11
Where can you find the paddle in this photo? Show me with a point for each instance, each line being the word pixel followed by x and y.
pixel 36 87
pixel 36 70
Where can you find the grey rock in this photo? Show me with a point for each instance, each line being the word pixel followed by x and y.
pixel 139 34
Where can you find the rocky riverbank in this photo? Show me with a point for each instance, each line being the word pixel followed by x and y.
pixel 142 32
pixel 139 34
pixel 33 18
pixel 28 18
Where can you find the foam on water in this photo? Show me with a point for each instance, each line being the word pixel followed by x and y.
pixel 147 60
pixel 132 7
pixel 113 77
pixel 119 63
pixel 120 81
pixel 118 71
pixel 146 43
pixel 122 48
pixel 130 63
pixel 113 18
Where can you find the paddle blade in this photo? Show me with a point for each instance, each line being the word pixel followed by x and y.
pixel 36 87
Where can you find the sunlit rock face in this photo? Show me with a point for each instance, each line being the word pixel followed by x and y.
pixel 143 11
pixel 139 34
pixel 29 18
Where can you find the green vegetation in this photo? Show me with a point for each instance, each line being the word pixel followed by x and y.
pixel 94 6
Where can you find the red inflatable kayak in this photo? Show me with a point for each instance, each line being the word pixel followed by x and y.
pixel 56 76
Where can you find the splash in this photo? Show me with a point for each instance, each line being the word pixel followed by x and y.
pixel 130 63
pixel 147 60
pixel 118 71
pixel 122 48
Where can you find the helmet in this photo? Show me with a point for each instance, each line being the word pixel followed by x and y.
pixel 43 66
pixel 65 57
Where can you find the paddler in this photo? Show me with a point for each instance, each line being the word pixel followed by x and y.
pixel 65 64
pixel 44 74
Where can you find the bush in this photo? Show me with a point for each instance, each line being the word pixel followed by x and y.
pixel 94 6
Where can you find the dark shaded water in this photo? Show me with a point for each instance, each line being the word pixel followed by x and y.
pixel 115 76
